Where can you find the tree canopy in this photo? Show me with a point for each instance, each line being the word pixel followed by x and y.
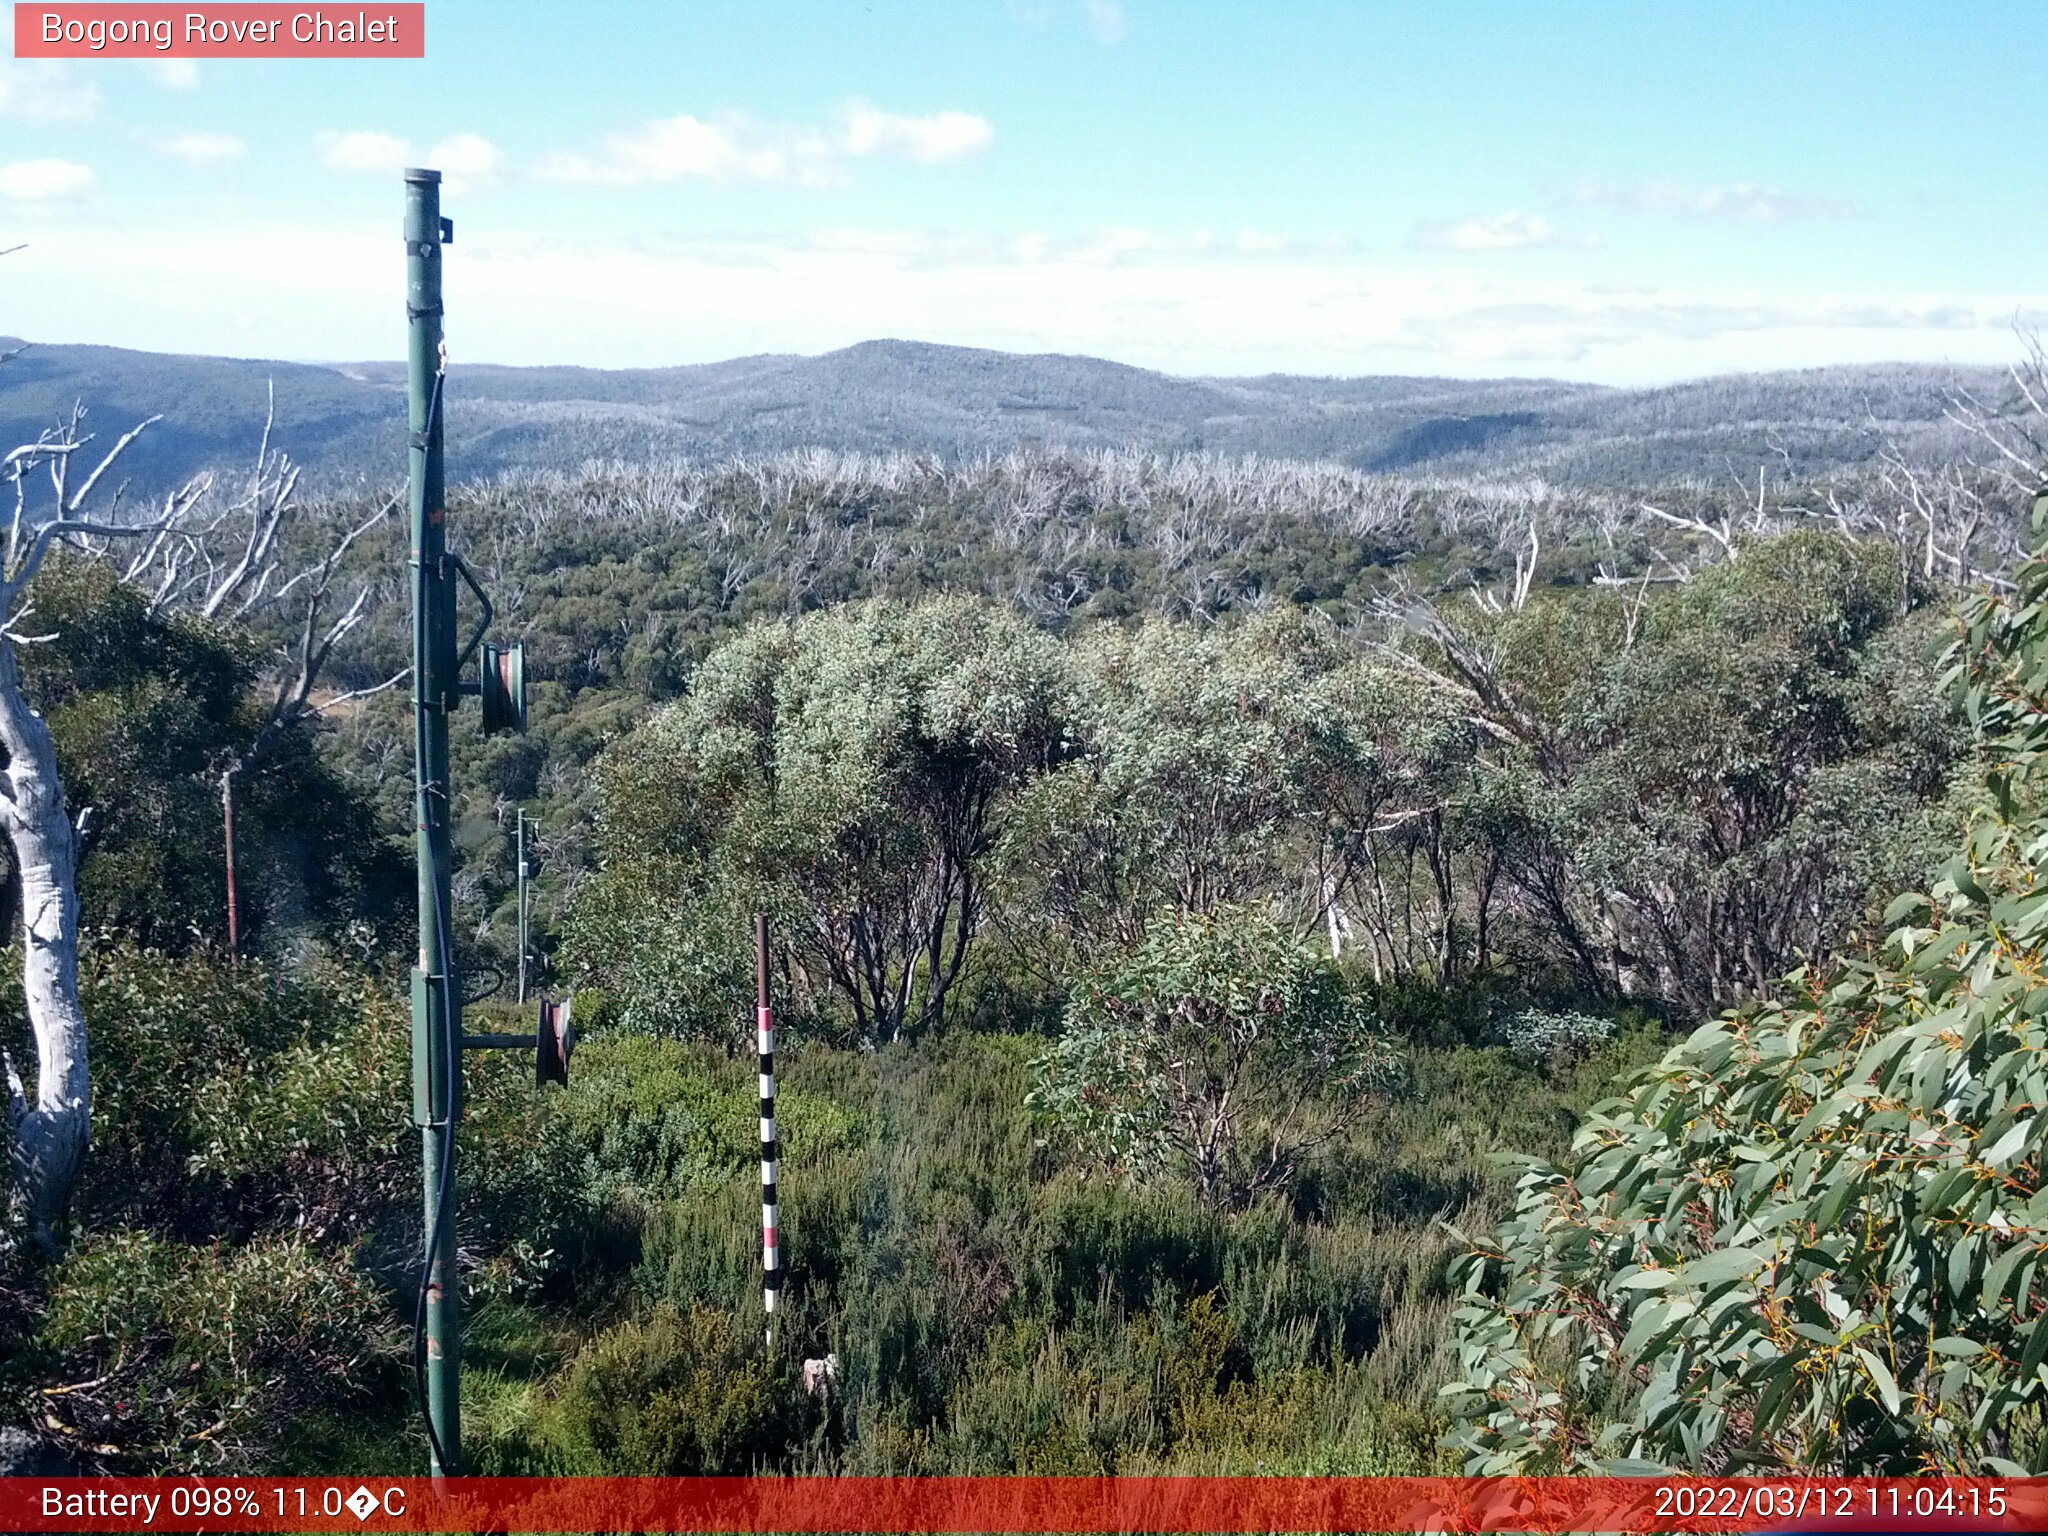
pixel 1813 1235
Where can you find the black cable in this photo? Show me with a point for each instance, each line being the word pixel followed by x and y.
pixel 452 1045
pixel 443 1190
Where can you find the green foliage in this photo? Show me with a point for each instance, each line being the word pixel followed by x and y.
pixel 1165 1388
pixel 1812 1235
pixel 1234 763
pixel 675 1394
pixel 146 709
pixel 652 1119
pixel 996 1307
pixel 847 770
pixel 667 938
pixel 1667 800
pixel 1554 1037
pixel 140 708
pixel 993 1304
pixel 1709 791
pixel 1217 1048
pixel 1664 799
pixel 225 1291
pixel 225 1099
pixel 190 1359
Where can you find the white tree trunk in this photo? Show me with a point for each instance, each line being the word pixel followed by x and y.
pixel 1333 912
pixel 50 1136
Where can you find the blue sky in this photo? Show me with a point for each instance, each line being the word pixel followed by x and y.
pixel 1620 192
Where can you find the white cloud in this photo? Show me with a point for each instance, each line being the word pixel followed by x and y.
pixel 686 148
pixel 1118 245
pixel 1568 327
pixel 1126 242
pixel 1741 201
pixel 927 140
pixel 1494 232
pixel 1106 20
pixel 468 162
pixel 175 74
pixel 1161 299
pixel 1256 242
pixel 364 152
pixel 45 91
pixel 736 148
pixel 205 148
pixel 39 180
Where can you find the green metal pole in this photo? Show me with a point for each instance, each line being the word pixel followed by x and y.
pixel 436 999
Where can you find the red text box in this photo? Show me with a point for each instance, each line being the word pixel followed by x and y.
pixel 1052 1506
pixel 240 31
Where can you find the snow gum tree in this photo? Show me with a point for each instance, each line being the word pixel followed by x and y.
pixel 1815 1235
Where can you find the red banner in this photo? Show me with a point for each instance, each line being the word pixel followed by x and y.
pixel 243 31
pixel 1027 1504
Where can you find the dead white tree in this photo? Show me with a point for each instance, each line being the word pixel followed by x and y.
pixel 1526 559
pixel 1721 533
pixel 2017 431
pixel 223 555
pixel 215 555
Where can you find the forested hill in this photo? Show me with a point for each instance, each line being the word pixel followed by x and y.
pixel 341 421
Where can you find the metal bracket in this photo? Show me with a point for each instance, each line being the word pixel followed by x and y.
pixel 436 429
pixel 431 1096
pixel 477 636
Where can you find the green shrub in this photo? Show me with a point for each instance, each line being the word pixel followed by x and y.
pixel 1217 1049
pixel 196 1358
pixel 225 1100
pixel 652 1118
pixel 677 1393
pixel 667 954
pixel 1555 1038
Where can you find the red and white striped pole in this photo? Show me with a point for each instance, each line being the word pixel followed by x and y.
pixel 764 1027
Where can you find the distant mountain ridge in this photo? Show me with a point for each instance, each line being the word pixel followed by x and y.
pixel 344 421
